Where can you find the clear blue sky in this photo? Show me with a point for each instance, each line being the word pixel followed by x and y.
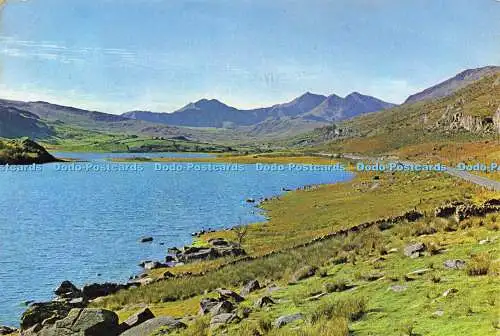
pixel 119 55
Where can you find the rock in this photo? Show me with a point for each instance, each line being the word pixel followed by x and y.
pixel 392 250
pixel 414 250
pixel 450 291
pixel 316 297
pixel 304 273
pixel 484 241
pixel 144 262
pixel 39 312
pixel 168 275
pixel 223 319
pixel 251 286
pixel 85 322
pixel 373 276
pixel 454 264
pixel 169 259
pixel 4 330
pixel 192 253
pixel 493 201
pixel 264 301
pixel 146 239
pixel 154 265
pixel 398 288
pixel 284 320
pixel 173 250
pixel 413 216
pixel 164 323
pixel 226 294
pixel 223 307
pixel 207 304
pixel 419 272
pixel 67 290
pixel 438 313
pixel 93 291
pixel 447 210
pixel 136 319
pixel 250 200
pixel 219 242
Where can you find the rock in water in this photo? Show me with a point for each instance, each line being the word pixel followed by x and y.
pixel 163 323
pixel 67 290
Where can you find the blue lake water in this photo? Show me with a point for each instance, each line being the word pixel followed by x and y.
pixel 78 220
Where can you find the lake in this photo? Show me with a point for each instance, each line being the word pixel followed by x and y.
pixel 82 221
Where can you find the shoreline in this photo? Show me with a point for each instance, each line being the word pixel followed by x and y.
pixel 194 238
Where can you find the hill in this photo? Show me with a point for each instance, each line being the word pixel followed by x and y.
pixel 15 122
pixel 23 152
pixel 453 84
pixel 469 114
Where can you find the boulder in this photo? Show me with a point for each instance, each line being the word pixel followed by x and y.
pixel 163 323
pixel 146 239
pixel 492 202
pixel 264 301
pixel 207 304
pixel 84 322
pixel 93 291
pixel 141 316
pixel 413 216
pixel 223 307
pixel 226 294
pixel 450 291
pixel 447 210
pixel 154 265
pixel 454 264
pixel 37 313
pixel 223 319
pixel 414 250
pixel 67 290
pixel 251 286
pixel 4 330
pixel 218 242
pixel 286 319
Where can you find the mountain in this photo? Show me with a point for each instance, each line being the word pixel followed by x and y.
pixel 335 108
pixel 15 122
pixel 453 84
pixel 310 109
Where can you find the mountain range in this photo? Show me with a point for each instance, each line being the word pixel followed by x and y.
pixel 210 120
pixel 308 107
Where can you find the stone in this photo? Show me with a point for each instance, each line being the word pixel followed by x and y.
pixel 398 288
pixel 264 301
pixel 152 265
pixel 450 291
pixel 414 250
pixel 140 317
pixel 67 290
pixel 4 330
pixel 438 313
pixel 226 294
pixel 223 319
pixel 164 323
pixel 146 239
pixel 286 319
pixel 207 304
pixel 93 291
pixel 85 322
pixel 454 264
pixel 218 242
pixel 223 307
pixel 419 272
pixel 250 287
pixel 316 297
pixel 39 312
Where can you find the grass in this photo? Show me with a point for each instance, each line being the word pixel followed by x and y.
pixel 333 207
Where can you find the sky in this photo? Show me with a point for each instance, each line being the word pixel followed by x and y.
pixel 158 55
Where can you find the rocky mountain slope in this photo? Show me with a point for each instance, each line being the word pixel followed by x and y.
pixel 15 122
pixel 306 108
pixel 453 84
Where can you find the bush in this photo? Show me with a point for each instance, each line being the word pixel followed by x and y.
pixel 479 264
pixel 338 285
pixel 351 308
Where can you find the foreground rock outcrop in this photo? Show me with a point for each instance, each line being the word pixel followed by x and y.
pixel 23 152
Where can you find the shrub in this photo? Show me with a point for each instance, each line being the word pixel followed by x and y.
pixel 479 264
pixel 338 285
pixel 351 308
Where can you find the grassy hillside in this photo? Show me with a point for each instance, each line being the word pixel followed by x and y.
pixel 411 124
pixel 22 152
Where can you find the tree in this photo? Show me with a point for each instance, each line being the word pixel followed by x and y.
pixel 241 232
